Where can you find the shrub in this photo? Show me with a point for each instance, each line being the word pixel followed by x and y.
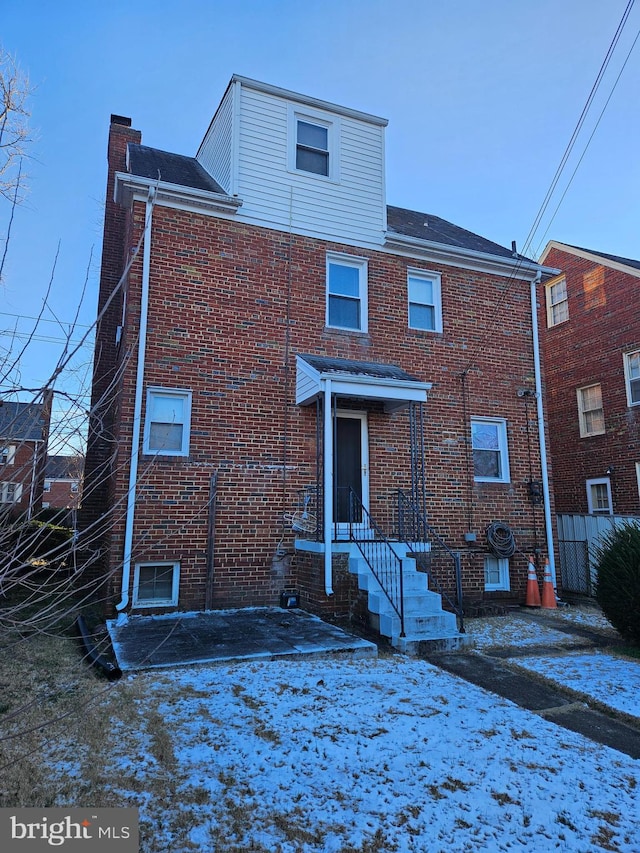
pixel 618 582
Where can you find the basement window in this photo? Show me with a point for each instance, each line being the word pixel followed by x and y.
pixel 156 584
pixel 496 574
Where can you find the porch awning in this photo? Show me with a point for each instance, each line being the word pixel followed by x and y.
pixel 360 379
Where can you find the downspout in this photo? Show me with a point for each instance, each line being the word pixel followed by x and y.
pixel 327 513
pixel 137 407
pixel 541 432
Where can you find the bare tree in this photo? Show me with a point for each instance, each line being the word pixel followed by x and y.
pixel 14 125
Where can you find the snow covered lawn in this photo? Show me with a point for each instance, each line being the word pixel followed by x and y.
pixel 355 756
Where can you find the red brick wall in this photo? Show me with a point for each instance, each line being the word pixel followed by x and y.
pixel 603 323
pixel 217 325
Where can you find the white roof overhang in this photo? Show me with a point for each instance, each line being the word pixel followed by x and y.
pixel 395 392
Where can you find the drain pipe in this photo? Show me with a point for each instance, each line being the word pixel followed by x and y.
pixel 137 409
pixel 327 513
pixel 541 433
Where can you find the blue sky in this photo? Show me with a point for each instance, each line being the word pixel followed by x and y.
pixel 481 97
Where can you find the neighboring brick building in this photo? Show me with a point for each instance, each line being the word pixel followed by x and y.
pixel 284 333
pixel 590 330
pixel 24 432
pixel 63 482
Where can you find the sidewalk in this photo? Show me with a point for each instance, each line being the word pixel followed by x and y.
pixel 490 668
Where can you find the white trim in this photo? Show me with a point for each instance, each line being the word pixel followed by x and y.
pixel 315 103
pixel 435 280
pixel 395 393
pixel 183 394
pixel 10 451
pixel 441 253
pixel 342 528
pixel 328 121
pixel 130 188
pixel 361 264
pixel 503 569
pixel 638 477
pixel 589 256
pixel 599 481
pixel 156 602
pixel 502 449
pixel 627 376
pixel 548 288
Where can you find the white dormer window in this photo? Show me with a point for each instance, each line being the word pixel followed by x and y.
pixel 313 149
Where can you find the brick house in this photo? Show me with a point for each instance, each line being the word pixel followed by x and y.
pixel 590 334
pixel 24 433
pixel 62 482
pixel 281 354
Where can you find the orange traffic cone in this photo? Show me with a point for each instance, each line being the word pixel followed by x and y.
pixel 533 590
pixel 548 592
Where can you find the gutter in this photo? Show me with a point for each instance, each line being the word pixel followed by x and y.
pixel 541 432
pixel 327 513
pixel 137 408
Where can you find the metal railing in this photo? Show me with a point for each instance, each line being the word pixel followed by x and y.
pixel 422 539
pixel 384 563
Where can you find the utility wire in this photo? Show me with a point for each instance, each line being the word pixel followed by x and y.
pixel 561 167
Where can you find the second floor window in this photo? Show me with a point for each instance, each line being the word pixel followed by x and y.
pixel 632 377
pixel 425 310
pixel 590 411
pixel 557 302
pixel 347 292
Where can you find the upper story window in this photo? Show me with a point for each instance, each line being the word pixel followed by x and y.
pixel 347 292
pixel 47 485
pixel 590 411
pixel 167 422
pixel 599 496
pixel 7 454
pixel 313 143
pixel 490 450
pixel 425 306
pixel 312 148
pixel 632 377
pixel 10 493
pixel 557 302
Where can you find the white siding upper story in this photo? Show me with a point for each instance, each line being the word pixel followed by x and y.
pixel 215 154
pixel 250 149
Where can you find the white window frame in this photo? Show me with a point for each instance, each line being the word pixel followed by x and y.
pixel 10 493
pixel 503 568
pixel 638 477
pixel 553 304
pixel 502 450
pixel 156 602
pixel 355 263
pixel 75 488
pixel 599 481
pixel 630 376
pixel 178 393
pixel 434 279
pixel 585 432
pixel 328 122
pixel 47 486
pixel 8 454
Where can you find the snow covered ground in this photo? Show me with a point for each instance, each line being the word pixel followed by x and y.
pixel 386 755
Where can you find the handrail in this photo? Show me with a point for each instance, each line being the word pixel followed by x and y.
pixel 378 554
pixel 417 529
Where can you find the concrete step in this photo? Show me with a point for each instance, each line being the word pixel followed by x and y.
pixel 428 626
